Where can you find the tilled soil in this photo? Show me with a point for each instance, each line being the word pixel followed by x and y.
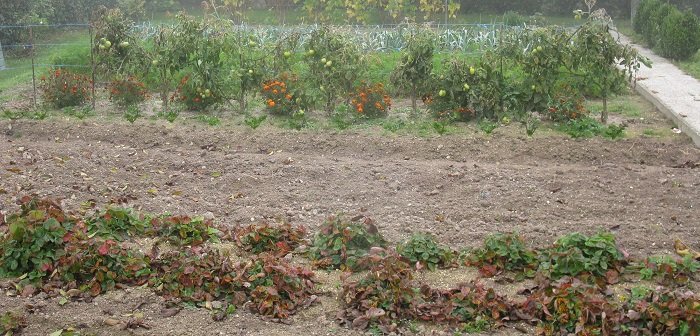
pixel 459 187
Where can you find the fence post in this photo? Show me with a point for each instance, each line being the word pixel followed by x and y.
pixel 31 45
pixel 92 63
pixel 2 58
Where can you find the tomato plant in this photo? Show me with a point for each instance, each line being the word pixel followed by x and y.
pixel 335 64
pixel 414 71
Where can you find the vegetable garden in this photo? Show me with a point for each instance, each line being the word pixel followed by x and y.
pixel 158 226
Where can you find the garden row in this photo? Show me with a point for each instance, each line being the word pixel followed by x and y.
pixel 77 257
pixel 204 63
pixel 674 33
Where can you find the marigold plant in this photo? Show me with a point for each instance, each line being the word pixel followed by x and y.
pixel 282 95
pixel 62 88
pixel 371 100
pixel 127 92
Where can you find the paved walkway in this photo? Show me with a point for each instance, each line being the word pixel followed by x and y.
pixel 673 92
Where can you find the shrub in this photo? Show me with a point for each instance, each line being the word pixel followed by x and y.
pixel 371 101
pixel 658 15
pixel 342 244
pixel 283 96
pixel 62 88
pixel 423 250
pixel 127 92
pixel 503 252
pixel 679 36
pixel 642 20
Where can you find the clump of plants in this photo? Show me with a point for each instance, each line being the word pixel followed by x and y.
pixel 194 96
pixel 663 312
pixel 370 100
pixel 185 230
pixel 279 238
pixel 272 286
pixel 127 92
pixel 388 293
pixel 670 271
pixel 570 306
pixel 503 252
pixel 423 250
pixel 342 243
pixel 98 265
pixel 62 88
pixel 565 105
pixel 587 127
pixel 576 254
pixel 34 240
pixel 116 223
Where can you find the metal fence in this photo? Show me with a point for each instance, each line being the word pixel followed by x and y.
pixel 36 49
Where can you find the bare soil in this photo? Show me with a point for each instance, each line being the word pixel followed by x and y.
pixel 459 187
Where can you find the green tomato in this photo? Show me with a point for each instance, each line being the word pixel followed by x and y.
pixel 312 52
pixel 250 71
pixel 102 47
pixel 472 71
pixel 442 93
pixel 323 60
pixel 466 87
pixel 533 88
pixel 328 64
pixel 154 62
pixel 539 48
pixel 124 44
pixel 252 44
pixel 287 54
pixel 108 44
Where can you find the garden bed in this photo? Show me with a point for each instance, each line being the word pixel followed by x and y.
pixel 461 188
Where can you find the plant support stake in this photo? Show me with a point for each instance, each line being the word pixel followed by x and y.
pixel 31 45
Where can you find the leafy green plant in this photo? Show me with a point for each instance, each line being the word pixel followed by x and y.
pixel 576 253
pixel 440 127
pixel 271 286
pixel 679 35
pixel 388 293
pixel 424 251
pixel 185 231
pixel 98 265
pixel 614 132
pixel 487 126
pixel 298 120
pixel 279 239
pixel 503 252
pixel 116 223
pixel 587 127
pixel 663 312
pixel 35 239
pixel 341 243
pixel 670 271
pixel 11 322
pixel 571 306
pixel 253 121
pixel 209 119
pixel 132 113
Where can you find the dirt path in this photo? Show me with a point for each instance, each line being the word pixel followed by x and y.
pixel 461 188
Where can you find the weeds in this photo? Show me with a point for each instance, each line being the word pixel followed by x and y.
pixel 504 252
pixel 253 121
